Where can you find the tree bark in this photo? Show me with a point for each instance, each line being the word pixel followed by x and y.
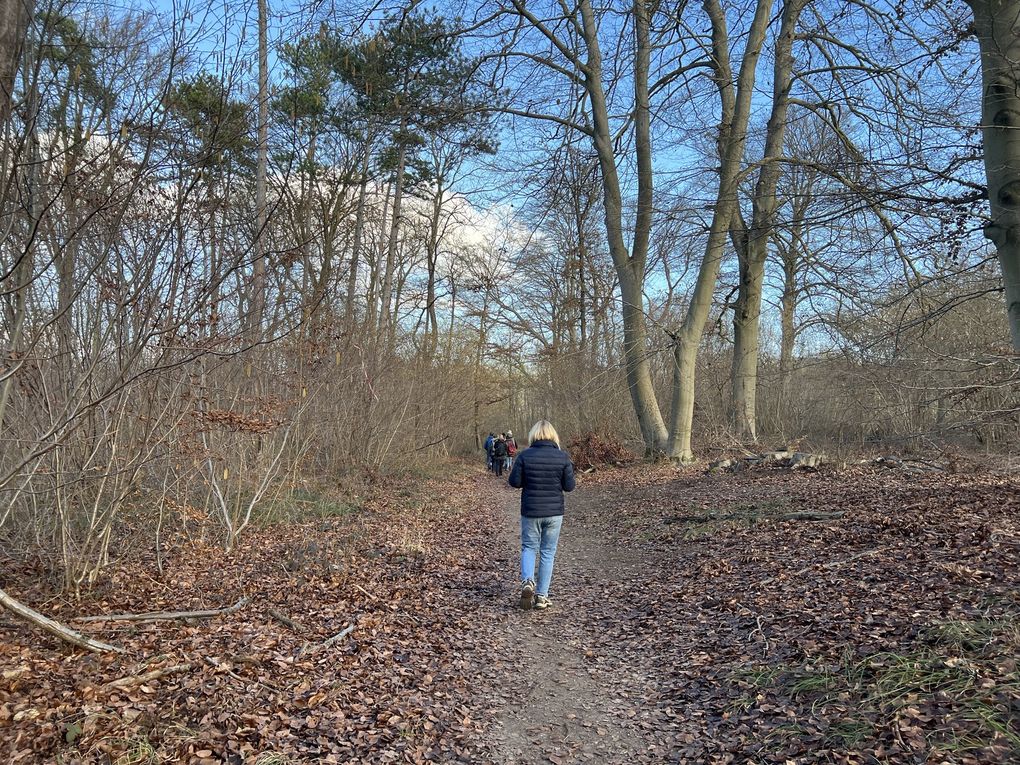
pixel 747 312
pixel 261 169
pixel 630 266
pixel 432 324
pixel 359 233
pixel 386 309
pixel 14 18
pixel 999 39
pixel 735 112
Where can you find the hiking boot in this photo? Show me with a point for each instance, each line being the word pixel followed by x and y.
pixel 541 601
pixel 527 595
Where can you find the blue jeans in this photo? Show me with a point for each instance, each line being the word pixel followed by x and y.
pixel 539 537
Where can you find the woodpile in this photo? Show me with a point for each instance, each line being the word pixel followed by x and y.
pixel 782 458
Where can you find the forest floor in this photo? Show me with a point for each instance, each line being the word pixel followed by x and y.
pixel 696 619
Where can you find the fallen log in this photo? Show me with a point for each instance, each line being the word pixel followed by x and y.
pixel 66 634
pixel 157 616
pixel 133 680
pixel 785 458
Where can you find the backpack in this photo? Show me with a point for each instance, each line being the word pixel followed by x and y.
pixel 511 447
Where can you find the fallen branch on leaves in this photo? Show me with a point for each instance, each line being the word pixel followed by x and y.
pixel 156 616
pixel 908 464
pixel 337 637
pixel 287 621
pixel 66 634
pixel 133 680
pixel 228 671
pixel 824 566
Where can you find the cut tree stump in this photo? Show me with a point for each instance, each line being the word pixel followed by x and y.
pixel 66 634
pixel 156 616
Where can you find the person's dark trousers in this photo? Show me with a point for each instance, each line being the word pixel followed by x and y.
pixel 498 466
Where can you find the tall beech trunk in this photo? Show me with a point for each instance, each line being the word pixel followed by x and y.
pixel 630 265
pixel 735 99
pixel 999 39
pixel 752 257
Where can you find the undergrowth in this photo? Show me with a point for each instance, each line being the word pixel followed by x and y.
pixel 955 693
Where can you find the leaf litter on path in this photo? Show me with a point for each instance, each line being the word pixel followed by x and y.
pixel 888 635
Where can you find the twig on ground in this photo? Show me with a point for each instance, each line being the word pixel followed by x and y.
pixel 337 637
pixel 132 680
pixel 287 621
pixel 155 616
pixel 761 631
pixel 370 595
pixel 228 671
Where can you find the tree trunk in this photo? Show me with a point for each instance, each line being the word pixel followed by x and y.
pixel 744 374
pixel 259 285
pixel 432 325
pixel 359 233
pixel 999 40
pixel 386 309
pixel 14 18
pixel 630 266
pixel 787 315
pixel 736 108
pixel 747 312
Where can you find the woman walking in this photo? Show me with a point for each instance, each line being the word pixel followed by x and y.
pixel 544 471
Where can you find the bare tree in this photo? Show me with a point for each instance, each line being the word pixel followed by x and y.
pixel 999 40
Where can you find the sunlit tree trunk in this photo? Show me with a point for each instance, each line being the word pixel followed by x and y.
pixel 998 32
pixel 747 311
pixel 735 98
pixel 630 265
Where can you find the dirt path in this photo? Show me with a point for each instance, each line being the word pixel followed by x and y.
pixel 559 708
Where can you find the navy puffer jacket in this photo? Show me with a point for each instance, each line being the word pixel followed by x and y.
pixel 544 471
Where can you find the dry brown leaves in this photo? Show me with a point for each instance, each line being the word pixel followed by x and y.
pixel 887 636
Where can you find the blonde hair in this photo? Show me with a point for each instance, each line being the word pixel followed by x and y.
pixel 543 430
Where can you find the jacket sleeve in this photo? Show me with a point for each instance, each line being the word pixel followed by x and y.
pixel 516 478
pixel 568 476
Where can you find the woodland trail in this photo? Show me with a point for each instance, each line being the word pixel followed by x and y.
pixel 887 635
pixel 560 710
